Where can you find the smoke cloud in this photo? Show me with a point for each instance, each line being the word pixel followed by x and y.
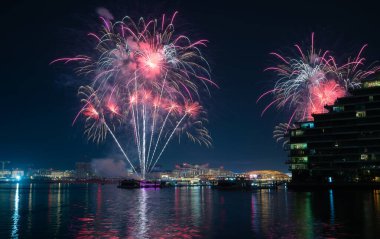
pixel 104 12
pixel 109 168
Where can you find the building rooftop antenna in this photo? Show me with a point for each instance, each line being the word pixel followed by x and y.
pixel 3 164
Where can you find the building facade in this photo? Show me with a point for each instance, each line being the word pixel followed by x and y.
pixel 341 145
pixel 267 175
pixel 200 171
pixel 83 170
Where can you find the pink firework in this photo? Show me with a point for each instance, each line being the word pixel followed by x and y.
pixel 309 81
pixel 145 83
pixel 322 95
pixel 312 79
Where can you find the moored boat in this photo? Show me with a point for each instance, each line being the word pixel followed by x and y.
pixel 133 183
pixel 129 184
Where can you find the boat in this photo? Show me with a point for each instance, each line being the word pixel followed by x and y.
pixel 133 183
pixel 241 183
pixel 233 183
pixel 129 184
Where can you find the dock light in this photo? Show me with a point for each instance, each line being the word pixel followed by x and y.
pixel 18 177
pixel 330 179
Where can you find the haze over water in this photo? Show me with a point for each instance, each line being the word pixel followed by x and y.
pixel 90 210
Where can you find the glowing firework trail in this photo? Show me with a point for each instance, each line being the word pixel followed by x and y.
pixel 121 148
pixel 145 83
pixel 168 140
pixel 161 130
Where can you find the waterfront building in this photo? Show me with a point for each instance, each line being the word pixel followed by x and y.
pixel 17 173
pixel 41 173
pixel 270 175
pixel 5 173
pixel 200 171
pixel 342 144
pixel 83 170
pixel 61 174
pixel 12 174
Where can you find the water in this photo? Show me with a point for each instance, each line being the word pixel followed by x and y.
pixel 104 211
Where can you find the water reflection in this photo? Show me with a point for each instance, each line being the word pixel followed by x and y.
pixel 285 214
pixel 142 219
pixel 196 207
pixel 58 210
pixel 261 212
pixel 188 215
pixel 254 213
pixel 332 209
pixel 16 216
pixel 103 211
pixel 30 208
pixel 308 218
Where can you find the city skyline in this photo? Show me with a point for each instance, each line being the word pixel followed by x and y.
pixel 40 101
pixel 189 119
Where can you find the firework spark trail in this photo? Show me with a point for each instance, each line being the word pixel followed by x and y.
pixel 152 131
pixel 167 141
pixel 159 135
pixel 143 162
pixel 137 125
pixel 121 149
pixel 136 130
pixel 155 114
pixel 142 77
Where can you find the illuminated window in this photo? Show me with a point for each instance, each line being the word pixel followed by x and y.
pixel 297 132
pixel 307 125
pixel 298 146
pixel 299 159
pixel 360 114
pixel 371 84
pixel 338 108
pixel 364 157
pixel 299 166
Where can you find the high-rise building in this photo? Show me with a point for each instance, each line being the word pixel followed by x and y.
pixel 83 170
pixel 341 145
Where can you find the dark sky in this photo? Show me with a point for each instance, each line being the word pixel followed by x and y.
pixel 38 101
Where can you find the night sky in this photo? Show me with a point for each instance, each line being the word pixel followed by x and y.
pixel 39 102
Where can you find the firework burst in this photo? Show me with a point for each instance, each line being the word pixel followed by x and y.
pixel 145 83
pixel 312 79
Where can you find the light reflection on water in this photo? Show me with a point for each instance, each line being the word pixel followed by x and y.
pixel 142 219
pixel 103 211
pixel 16 216
pixel 332 210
